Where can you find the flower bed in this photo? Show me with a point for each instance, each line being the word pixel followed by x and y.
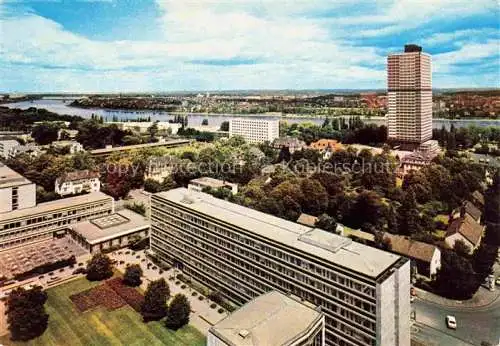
pixel 100 295
pixel 129 294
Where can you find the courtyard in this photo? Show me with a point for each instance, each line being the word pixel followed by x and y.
pixel 101 325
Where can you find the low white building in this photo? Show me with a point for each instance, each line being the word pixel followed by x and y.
pixel 255 130
pixel 272 319
pixel 207 182
pixel 74 146
pixel 143 126
pixel 110 231
pixel 30 149
pixel 77 182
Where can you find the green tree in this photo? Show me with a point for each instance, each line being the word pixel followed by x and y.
pixel 45 133
pixel 178 312
pixel 408 217
pixel 153 131
pixel 99 267
pixel 26 316
pixel 132 276
pixel 154 307
pixel 456 279
pixel 153 186
pixel 224 126
pixel 327 223
pixel 461 248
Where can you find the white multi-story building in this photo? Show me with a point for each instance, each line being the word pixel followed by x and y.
pixel 23 226
pixel 77 182
pixel 363 292
pixel 409 82
pixel 6 146
pixel 255 130
pixel 143 126
pixel 16 192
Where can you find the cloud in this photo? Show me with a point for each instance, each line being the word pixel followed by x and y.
pixel 242 44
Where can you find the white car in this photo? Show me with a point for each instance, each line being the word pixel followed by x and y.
pixel 451 322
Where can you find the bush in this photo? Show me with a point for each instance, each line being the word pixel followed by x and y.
pixel 99 268
pixel 201 298
pixel 133 275
pixel 213 305
pixel 194 294
pixel 155 301
pixel 178 312
pixel 183 286
pixel 220 311
pixel 177 282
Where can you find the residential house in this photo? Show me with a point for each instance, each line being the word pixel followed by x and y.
pixel 466 229
pixel 293 144
pixel 326 147
pixel 478 199
pixel 426 257
pixel 467 208
pixel 77 182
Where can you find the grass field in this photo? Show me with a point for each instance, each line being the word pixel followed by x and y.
pixel 123 326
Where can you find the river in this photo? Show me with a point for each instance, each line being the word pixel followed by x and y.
pixel 194 119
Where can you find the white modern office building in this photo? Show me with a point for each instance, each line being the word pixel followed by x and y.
pixel 16 192
pixel 242 253
pixel 255 130
pixel 409 83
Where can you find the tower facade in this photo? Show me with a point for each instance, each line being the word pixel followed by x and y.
pixel 409 82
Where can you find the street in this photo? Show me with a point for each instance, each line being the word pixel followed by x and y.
pixel 474 324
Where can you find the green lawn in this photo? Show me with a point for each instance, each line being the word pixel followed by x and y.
pixel 123 326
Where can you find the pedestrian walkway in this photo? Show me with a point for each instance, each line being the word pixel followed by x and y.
pixel 482 298
pixel 204 313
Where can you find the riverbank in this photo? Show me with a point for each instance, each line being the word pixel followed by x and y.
pixel 215 119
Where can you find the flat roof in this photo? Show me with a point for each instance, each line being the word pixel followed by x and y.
pixel 139 146
pixel 10 178
pixel 212 182
pixel 270 319
pixel 109 227
pixel 316 242
pixel 47 207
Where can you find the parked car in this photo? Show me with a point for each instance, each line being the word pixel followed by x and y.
pixel 497 281
pixel 413 292
pixel 412 299
pixel 451 322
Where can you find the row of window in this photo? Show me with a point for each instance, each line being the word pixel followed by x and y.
pixel 223 277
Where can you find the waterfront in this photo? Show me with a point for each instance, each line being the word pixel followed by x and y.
pixel 195 119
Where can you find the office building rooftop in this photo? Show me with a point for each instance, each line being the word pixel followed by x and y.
pixel 111 226
pixel 10 178
pixel 270 319
pixel 357 257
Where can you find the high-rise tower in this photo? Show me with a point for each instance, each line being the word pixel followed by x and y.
pixel 409 96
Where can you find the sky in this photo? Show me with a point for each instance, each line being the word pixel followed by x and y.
pixel 172 45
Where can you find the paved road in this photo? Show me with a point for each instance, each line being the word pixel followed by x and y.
pixel 474 324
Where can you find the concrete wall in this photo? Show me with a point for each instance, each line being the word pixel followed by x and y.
pixel 393 308
pixel 212 340
pixel 6 200
pixel 27 196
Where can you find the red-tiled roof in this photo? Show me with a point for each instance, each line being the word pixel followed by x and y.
pixel 468 228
